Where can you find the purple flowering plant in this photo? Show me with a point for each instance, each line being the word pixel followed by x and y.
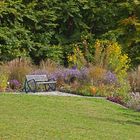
pixel 14 84
pixel 110 78
pixel 67 74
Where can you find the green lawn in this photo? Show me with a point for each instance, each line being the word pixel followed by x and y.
pixel 27 117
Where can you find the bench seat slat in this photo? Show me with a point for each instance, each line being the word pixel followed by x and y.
pixel 49 82
pixel 37 77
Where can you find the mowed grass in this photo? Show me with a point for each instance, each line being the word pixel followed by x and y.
pixel 28 117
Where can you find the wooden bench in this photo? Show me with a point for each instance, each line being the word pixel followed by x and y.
pixel 33 81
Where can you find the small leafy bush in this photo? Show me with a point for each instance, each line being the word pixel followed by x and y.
pixel 4 74
pixel 3 81
pixel 85 90
pixel 106 90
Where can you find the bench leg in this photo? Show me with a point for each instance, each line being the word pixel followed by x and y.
pixel 25 87
pixel 45 87
pixel 52 86
pixel 29 87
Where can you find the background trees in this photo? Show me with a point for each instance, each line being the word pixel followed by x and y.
pixel 45 29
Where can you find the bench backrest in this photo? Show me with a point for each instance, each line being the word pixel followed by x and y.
pixel 37 77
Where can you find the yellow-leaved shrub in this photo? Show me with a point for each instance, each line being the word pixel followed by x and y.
pixel 109 56
pixel 77 58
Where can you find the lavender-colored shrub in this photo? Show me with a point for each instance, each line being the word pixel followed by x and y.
pixel 14 84
pixel 67 74
pixel 110 78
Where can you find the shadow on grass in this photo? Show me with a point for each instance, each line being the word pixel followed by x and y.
pixel 135 117
pixel 112 120
pixel 132 115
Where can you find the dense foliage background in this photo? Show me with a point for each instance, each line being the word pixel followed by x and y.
pixel 45 29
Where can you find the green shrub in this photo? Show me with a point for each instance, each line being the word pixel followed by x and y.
pixel 85 90
pixel 4 75
pixel 3 78
pixel 3 81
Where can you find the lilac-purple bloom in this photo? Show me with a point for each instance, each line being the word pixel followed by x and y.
pixel 110 77
pixel 14 84
pixel 66 74
pixel 74 67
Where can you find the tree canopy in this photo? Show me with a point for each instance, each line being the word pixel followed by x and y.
pixel 44 29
